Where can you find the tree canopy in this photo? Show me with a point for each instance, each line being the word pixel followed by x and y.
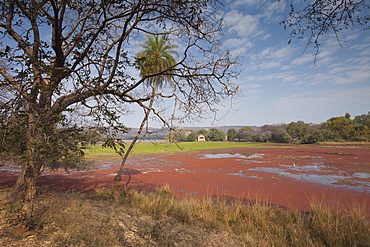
pixel 215 135
pixel 157 57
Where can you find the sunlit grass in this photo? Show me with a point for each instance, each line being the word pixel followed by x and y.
pixel 166 147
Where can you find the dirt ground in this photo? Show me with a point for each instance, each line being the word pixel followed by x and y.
pixel 284 175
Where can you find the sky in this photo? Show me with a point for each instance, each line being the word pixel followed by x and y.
pixel 281 82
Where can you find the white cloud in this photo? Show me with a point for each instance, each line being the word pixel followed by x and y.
pixel 269 77
pixel 302 59
pixel 291 78
pixel 353 76
pixel 338 69
pixel 252 85
pixel 243 25
pixel 365 53
pixel 269 65
pixel 247 2
pixel 362 60
pixel 296 100
pixel 252 91
pixel 265 36
pixel 238 52
pixel 324 100
pixel 275 7
pixel 277 53
pixel 237 43
pixel 272 11
pixel 360 46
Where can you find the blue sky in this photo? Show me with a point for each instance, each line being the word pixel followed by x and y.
pixel 281 82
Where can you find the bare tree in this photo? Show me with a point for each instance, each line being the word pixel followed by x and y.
pixel 60 56
pixel 326 16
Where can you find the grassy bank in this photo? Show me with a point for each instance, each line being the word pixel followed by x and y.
pixel 157 219
pixel 165 147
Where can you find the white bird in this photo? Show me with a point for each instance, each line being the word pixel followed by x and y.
pixel 294 164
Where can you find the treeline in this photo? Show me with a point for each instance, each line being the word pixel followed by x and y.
pixel 212 134
pixel 336 129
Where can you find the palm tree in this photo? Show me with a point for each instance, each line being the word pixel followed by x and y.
pixel 157 60
pixel 156 64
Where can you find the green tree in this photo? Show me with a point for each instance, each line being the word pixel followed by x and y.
pixel 313 137
pixel 298 130
pixel 362 126
pixel 216 135
pixel 61 59
pixel 192 137
pixel 202 132
pixel 265 136
pixel 363 119
pixel 343 125
pixel 281 136
pixel 231 135
pixel 331 135
pixel 246 134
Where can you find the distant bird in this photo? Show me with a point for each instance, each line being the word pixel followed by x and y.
pixel 294 164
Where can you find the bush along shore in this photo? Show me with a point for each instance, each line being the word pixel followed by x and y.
pixel 157 219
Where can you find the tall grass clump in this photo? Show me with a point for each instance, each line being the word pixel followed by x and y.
pixel 331 227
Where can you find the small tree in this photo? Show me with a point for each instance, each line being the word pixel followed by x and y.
pixel 298 130
pixel 265 136
pixel 192 137
pixel 247 134
pixel 231 135
pixel 216 135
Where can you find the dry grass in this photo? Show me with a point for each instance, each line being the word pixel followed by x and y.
pixel 344 143
pixel 157 219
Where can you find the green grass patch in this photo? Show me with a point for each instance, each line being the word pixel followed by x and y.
pixel 166 147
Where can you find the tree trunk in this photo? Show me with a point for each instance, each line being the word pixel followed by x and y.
pixel 30 170
pixel 17 193
pixel 30 177
pixel 118 178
